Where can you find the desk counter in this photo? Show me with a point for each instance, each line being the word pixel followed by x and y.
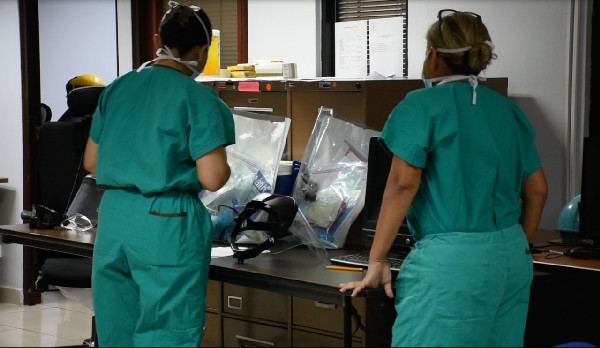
pixel 58 239
pixel 296 271
pixel 556 261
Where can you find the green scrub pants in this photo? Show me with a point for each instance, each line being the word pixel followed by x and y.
pixel 150 269
pixel 464 289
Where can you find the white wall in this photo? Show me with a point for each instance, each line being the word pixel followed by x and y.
pixel 76 37
pixel 288 30
pixel 11 140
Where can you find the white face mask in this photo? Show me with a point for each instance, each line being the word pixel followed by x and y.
pixel 429 82
pixel 165 53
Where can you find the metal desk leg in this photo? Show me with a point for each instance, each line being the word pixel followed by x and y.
pixel 348 310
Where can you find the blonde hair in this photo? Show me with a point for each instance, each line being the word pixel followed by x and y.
pixel 458 30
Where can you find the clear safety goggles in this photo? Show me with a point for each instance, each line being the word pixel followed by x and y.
pixel 447 12
pixel 77 222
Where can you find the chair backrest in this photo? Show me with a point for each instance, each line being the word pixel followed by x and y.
pixel 60 155
pixel 82 102
pixel 45 113
pixel 60 150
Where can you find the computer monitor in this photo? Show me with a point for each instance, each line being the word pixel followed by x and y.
pixel 379 163
pixel 589 208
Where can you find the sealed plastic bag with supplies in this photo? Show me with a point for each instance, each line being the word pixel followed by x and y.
pixel 330 187
pixel 254 161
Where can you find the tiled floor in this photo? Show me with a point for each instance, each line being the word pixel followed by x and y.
pixel 55 322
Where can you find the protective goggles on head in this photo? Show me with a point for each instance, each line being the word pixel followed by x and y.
pixel 264 219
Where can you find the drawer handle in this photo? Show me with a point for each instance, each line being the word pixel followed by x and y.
pixel 325 305
pixel 234 302
pixel 244 341
pixel 252 109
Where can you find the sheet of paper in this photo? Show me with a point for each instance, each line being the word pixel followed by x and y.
pixel 351 49
pixel 386 47
pixel 220 252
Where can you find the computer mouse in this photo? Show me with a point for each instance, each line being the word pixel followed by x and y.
pixel 583 252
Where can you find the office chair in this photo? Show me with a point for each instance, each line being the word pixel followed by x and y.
pixel 45 113
pixel 61 146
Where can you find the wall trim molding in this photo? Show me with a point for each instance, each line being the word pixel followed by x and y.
pixel 11 295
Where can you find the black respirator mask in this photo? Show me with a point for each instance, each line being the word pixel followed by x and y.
pixel 271 213
pixel 44 218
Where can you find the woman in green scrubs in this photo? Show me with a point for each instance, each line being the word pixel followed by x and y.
pixel 157 139
pixel 467 175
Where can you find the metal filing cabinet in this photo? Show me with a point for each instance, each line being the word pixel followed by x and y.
pixel 253 317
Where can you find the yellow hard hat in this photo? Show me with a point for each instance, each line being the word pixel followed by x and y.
pixel 84 80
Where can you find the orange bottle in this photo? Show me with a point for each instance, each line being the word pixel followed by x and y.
pixel 213 63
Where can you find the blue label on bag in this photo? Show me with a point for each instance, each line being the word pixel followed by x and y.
pixel 260 183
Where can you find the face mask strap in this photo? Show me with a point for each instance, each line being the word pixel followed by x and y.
pixel 453 50
pixel 201 22
pixel 466 48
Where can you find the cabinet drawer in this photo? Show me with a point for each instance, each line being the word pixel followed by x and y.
pixel 310 339
pixel 255 303
pixel 212 333
pixel 275 101
pixel 213 295
pixel 241 333
pixel 330 316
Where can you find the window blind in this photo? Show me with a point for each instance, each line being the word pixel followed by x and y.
pixel 353 10
pixel 349 10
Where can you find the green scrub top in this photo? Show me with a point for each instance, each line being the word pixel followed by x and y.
pixel 474 157
pixel 152 125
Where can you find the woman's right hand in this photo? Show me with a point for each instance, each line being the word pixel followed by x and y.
pixel 378 274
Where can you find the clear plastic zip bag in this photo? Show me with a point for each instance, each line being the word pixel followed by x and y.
pixel 254 161
pixel 330 187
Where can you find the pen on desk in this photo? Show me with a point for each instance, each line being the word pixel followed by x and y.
pixel 344 268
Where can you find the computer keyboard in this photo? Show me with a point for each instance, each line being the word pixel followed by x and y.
pixel 362 260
